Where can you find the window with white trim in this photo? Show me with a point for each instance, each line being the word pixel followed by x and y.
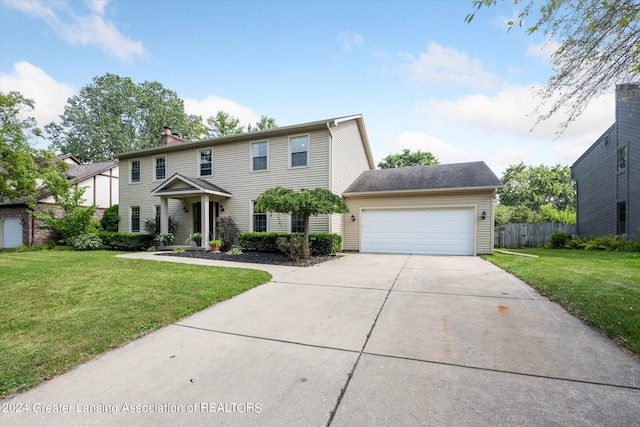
pixel 259 220
pixel 297 223
pixel 299 146
pixel 259 156
pixel 135 219
pixel 135 170
pixel 205 158
pixel 160 164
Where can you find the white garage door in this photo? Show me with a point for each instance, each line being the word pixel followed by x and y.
pixel 11 233
pixel 418 231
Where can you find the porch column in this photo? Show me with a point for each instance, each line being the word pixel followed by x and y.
pixel 164 215
pixel 204 219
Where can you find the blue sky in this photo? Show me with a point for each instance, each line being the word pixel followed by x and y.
pixel 421 77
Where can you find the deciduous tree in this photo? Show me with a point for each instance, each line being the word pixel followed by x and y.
pixel 223 124
pixel 408 158
pixel 114 115
pixel 535 186
pixel 305 202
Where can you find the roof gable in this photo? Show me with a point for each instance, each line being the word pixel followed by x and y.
pixel 179 184
pixel 422 178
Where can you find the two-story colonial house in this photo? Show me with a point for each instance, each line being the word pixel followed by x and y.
pixel 607 175
pixel 193 183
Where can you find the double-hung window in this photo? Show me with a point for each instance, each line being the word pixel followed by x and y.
pixel 259 220
pixel 160 168
pixel 299 151
pixel 135 170
pixel 297 223
pixel 135 219
pixel 206 162
pixel 259 156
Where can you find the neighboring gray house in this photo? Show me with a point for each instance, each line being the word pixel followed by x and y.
pixel 450 206
pixel 607 175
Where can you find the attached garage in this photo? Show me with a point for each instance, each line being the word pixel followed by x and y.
pixel 418 231
pixel 431 210
pixel 11 232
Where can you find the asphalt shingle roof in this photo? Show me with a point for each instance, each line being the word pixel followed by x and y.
pixel 89 169
pixel 432 177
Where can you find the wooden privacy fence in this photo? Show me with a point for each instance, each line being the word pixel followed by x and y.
pixel 527 235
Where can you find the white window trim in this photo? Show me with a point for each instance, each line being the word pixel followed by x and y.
pixel 251 203
pixel 290 223
pixel 131 181
pixel 289 152
pixel 251 156
pixel 131 217
pixel 198 162
pixel 166 169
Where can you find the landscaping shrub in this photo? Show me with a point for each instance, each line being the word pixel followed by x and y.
pixel 292 245
pixel 323 244
pixel 227 231
pixel 559 239
pixel 126 241
pixel 110 219
pixel 86 242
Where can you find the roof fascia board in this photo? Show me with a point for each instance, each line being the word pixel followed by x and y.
pixel 423 191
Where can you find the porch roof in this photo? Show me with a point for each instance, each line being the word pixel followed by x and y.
pixel 180 185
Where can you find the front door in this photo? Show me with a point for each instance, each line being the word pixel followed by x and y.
pixel 213 214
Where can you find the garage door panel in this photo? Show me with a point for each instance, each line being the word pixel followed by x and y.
pixel 418 231
pixel 11 232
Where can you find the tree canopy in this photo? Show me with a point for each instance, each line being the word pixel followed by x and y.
pixel 114 115
pixel 408 158
pixel 535 186
pixel 223 124
pixel 26 173
pixel 599 47
pixel 305 202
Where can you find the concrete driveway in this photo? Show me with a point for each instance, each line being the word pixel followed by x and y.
pixel 373 340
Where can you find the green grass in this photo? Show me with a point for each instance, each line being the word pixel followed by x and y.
pixel 61 308
pixel 602 288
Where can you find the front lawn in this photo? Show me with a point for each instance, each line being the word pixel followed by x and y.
pixel 61 308
pixel 602 288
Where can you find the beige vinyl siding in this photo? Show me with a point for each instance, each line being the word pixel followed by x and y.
pixel 348 161
pixel 481 201
pixel 231 171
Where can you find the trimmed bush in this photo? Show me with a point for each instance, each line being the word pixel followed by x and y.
pixel 559 239
pixel 322 244
pixel 292 245
pixel 86 242
pixel 110 219
pixel 121 241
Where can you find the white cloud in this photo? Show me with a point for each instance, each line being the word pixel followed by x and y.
pixel 511 111
pixel 212 104
pixel 440 64
pixel 85 30
pixel 49 95
pixel 543 51
pixel 349 39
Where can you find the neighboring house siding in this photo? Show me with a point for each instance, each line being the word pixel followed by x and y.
pixel 595 176
pixel 348 161
pixel 628 120
pixel 481 201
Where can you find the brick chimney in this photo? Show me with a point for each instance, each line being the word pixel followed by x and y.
pixel 170 138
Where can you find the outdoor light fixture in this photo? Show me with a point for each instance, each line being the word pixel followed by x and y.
pixel 484 215
pixel 353 217
pixel 184 208
pixel 221 208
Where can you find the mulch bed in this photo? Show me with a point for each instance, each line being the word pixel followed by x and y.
pixel 256 257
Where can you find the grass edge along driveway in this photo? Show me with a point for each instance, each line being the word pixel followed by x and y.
pixel 602 288
pixel 59 309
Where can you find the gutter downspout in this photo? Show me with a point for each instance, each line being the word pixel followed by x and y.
pixel 330 183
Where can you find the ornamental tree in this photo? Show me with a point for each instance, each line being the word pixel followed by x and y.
pixel 305 202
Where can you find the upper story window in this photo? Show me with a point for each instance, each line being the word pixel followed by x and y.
pixel 206 162
pixel 160 167
pixel 135 219
pixel 299 151
pixel 135 170
pixel 622 158
pixel 259 156
pixel 297 223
